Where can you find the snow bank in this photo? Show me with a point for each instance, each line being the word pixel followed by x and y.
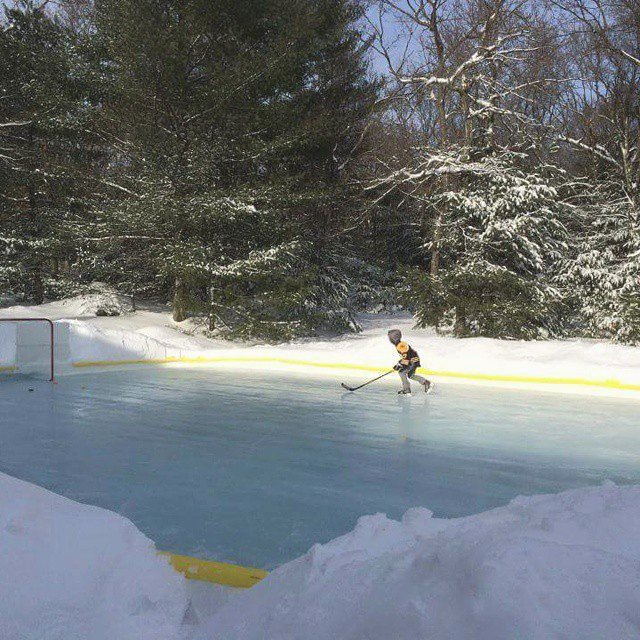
pixel 70 571
pixel 101 300
pixel 547 567
pixel 152 335
pixel 543 567
pixel 90 344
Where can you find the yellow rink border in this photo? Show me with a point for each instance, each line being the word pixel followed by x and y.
pixel 611 383
pixel 230 575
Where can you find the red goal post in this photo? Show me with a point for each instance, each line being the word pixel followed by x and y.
pixel 52 339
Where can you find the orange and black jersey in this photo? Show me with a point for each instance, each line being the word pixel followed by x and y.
pixel 408 354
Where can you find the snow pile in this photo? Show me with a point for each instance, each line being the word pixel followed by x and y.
pixel 105 301
pixel 71 571
pixel 89 343
pixel 100 300
pixel 551 566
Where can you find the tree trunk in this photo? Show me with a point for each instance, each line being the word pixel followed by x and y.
pixel 460 326
pixel 37 285
pixel 444 143
pixel 178 300
pixel 35 262
pixel 435 247
pixel 212 308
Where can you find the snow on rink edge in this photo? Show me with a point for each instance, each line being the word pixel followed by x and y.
pixel 542 567
pixel 7 344
pixel 77 572
pixel 151 336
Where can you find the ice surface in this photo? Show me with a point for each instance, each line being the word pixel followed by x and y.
pixel 75 572
pixel 255 467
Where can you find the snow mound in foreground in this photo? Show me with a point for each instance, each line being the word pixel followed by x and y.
pixel 71 571
pixel 543 567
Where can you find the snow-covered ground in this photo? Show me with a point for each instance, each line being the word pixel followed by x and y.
pixel 544 567
pixel 151 334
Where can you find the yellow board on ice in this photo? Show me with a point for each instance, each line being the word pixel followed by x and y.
pixel 230 575
pixel 9 369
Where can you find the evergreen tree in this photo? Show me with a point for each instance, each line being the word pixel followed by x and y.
pixel 213 154
pixel 603 274
pixel 498 253
pixel 475 115
pixel 230 124
pixel 42 158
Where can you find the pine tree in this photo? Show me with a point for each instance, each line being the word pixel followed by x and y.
pixel 475 115
pixel 498 252
pixel 230 124
pixel 603 273
pixel 43 160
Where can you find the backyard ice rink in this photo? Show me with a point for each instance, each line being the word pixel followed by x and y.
pixel 258 462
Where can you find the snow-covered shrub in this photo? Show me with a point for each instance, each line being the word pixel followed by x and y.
pixel 487 300
pixel 277 295
pixel 603 274
pixel 99 299
pixel 500 243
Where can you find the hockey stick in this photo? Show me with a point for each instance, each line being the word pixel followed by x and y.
pixel 366 383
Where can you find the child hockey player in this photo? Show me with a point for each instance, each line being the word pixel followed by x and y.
pixel 409 362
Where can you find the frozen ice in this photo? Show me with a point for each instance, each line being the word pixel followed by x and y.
pixel 256 467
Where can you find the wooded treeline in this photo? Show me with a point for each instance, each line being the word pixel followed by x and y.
pixel 276 166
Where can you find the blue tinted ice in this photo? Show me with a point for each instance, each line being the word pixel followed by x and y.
pixel 253 468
